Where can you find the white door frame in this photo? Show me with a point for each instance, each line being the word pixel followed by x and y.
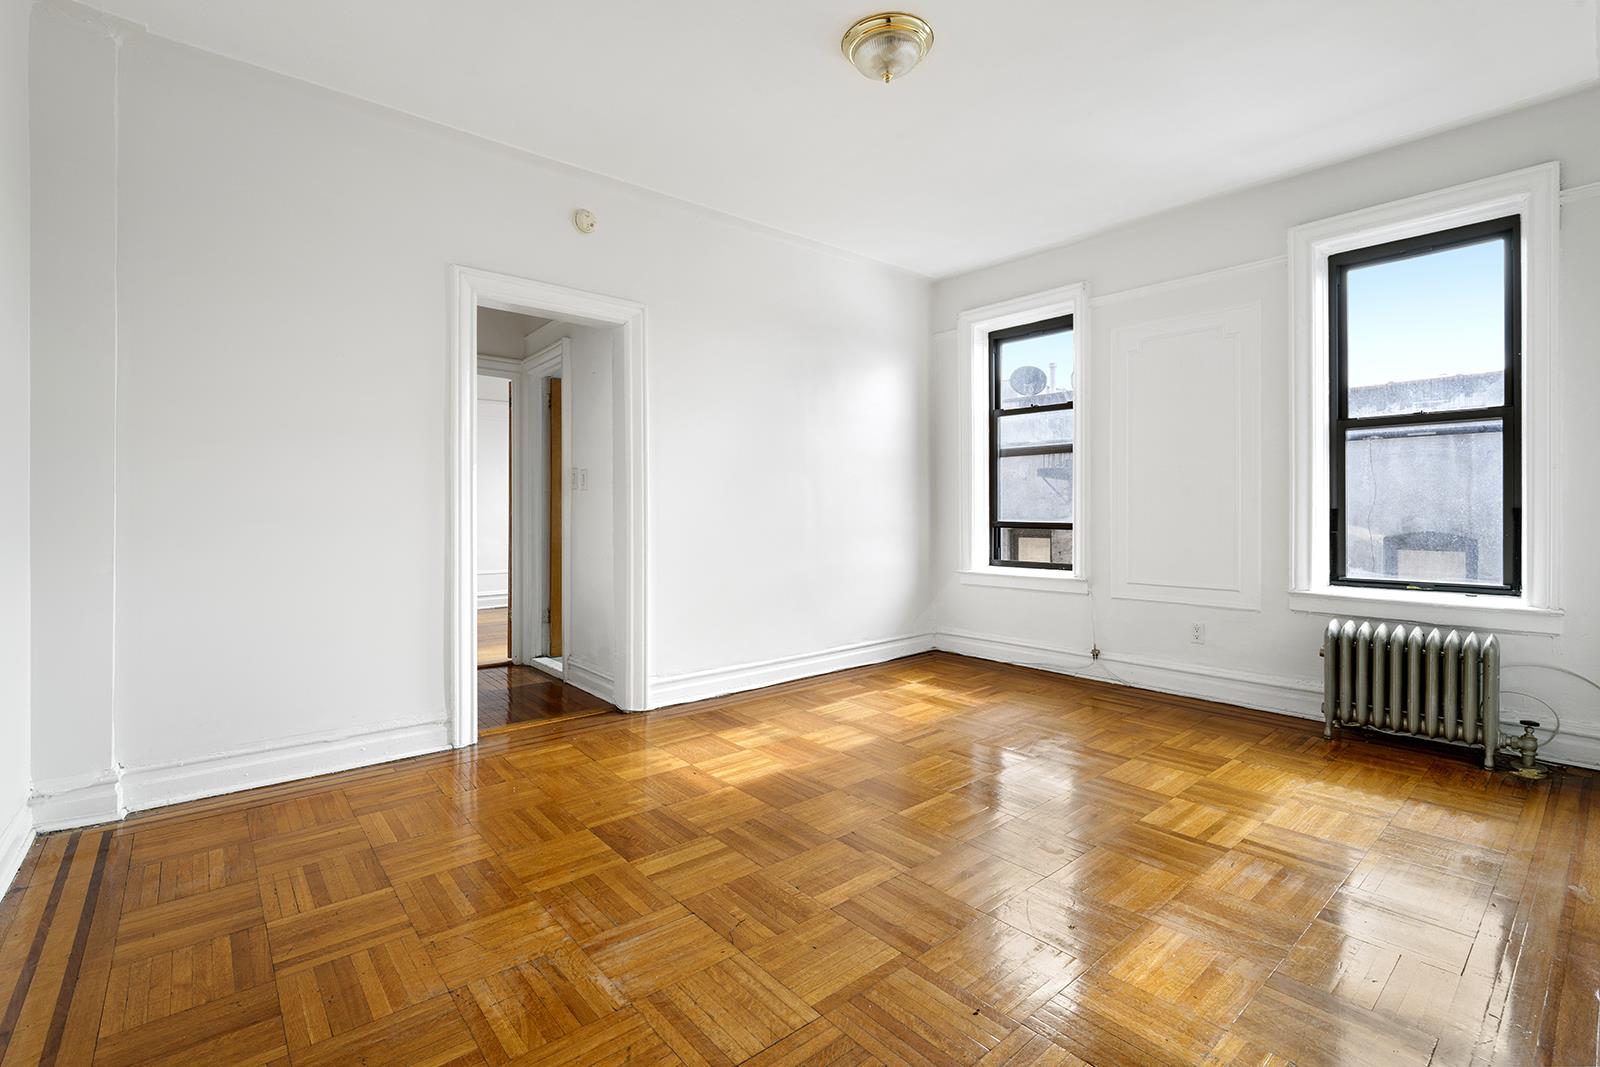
pixel 469 289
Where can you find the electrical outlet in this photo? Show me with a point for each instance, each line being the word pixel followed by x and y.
pixel 1197 633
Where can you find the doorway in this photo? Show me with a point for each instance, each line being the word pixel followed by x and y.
pixel 544 517
pixel 494 496
pixel 470 289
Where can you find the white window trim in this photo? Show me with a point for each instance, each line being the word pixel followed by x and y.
pixel 972 337
pixel 1534 194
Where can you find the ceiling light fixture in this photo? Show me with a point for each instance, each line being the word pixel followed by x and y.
pixel 886 46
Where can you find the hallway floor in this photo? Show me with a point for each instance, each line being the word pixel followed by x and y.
pixel 494 635
pixel 516 695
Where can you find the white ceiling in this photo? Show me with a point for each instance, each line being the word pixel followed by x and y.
pixel 1032 121
pixel 502 333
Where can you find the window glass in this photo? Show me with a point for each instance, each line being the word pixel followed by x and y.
pixel 1035 371
pixel 1034 488
pixel 1427 333
pixel 1426 504
pixel 1036 428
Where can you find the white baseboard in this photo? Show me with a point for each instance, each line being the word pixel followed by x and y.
pixel 588 679
pixel 1300 698
pixel 303 757
pixel 15 839
pixel 720 681
pixel 1575 750
pixel 81 800
pixel 555 668
pixel 493 600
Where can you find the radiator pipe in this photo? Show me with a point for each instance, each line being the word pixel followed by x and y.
pixel 1470 668
pixel 1330 677
pixel 1491 698
pixel 1347 636
pixel 1414 680
pixel 1380 683
pixel 1451 700
pixel 1363 649
pixel 1397 676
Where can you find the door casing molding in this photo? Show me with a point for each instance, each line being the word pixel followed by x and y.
pixel 469 289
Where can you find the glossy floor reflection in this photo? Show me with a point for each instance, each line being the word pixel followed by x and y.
pixel 933 861
pixel 515 695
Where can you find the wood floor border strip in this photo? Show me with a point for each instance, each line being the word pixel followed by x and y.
pixel 512 728
pixel 1577 1041
pixel 19 995
pixel 80 942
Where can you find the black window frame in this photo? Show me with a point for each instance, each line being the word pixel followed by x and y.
pixel 1509 411
pixel 997 528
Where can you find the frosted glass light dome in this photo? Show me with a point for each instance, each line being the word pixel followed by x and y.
pixel 886 46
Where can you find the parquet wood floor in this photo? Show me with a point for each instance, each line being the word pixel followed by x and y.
pixel 932 861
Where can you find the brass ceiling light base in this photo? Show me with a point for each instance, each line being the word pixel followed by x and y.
pixel 887 45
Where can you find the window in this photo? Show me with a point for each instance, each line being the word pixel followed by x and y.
pixel 1424 337
pixel 1425 407
pixel 1031 428
pixel 1023 497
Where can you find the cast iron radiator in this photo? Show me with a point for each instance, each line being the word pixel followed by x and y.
pixel 1411 680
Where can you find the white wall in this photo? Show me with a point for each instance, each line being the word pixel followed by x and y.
pixel 588 408
pixel 494 491
pixel 15 823
pixel 1184 555
pixel 74 425
pixel 794 374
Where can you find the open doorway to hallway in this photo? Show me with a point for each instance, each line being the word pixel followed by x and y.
pixel 543 518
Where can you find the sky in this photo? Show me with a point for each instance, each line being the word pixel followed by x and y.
pixel 1428 316
pixel 1040 351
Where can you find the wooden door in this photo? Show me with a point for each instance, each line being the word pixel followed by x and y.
pixel 554 511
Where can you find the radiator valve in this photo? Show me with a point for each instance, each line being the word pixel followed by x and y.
pixel 1527 746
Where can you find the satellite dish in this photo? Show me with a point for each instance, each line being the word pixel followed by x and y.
pixel 1028 381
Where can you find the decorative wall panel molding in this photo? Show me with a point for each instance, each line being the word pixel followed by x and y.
pixel 1186 459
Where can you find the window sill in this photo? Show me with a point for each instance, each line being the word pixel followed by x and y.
pixel 1498 614
pixel 1018 578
